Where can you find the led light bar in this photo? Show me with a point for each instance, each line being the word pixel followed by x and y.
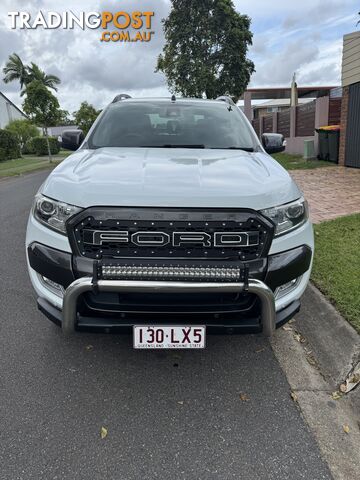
pixel 196 273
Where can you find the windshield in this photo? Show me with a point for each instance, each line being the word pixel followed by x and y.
pixel 172 125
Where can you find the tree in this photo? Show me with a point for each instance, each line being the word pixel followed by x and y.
pixel 42 107
pixel 64 118
pixel 15 70
pixel 85 116
pixel 206 49
pixel 23 130
pixel 35 73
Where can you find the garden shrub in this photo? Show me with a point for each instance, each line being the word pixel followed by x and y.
pixel 40 148
pixel 28 148
pixel 9 146
pixel 24 131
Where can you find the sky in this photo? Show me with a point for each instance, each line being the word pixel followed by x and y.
pixel 288 36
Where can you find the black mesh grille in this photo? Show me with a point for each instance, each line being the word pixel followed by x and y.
pixel 171 233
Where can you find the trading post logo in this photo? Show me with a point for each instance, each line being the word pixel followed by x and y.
pixel 129 26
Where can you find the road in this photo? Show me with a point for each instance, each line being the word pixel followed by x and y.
pixel 169 415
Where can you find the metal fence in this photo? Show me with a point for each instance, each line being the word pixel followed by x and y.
pixel 268 124
pixel 305 120
pixel 334 111
pixel 283 122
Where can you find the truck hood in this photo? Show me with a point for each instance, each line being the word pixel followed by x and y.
pixel 162 177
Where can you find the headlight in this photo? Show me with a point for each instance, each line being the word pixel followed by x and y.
pixel 52 213
pixel 289 216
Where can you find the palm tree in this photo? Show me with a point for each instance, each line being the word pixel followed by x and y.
pixel 15 70
pixel 35 73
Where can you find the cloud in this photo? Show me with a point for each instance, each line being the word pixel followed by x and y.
pixel 89 69
pixel 308 43
pixel 286 39
pixel 318 14
pixel 286 64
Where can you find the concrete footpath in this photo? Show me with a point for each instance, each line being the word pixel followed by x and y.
pixel 316 351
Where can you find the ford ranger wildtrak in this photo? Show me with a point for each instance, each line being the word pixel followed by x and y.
pixel 170 220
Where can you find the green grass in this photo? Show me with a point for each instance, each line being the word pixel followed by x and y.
pixel 30 163
pixel 336 269
pixel 297 162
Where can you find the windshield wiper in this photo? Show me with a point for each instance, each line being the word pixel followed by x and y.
pixel 245 149
pixel 169 145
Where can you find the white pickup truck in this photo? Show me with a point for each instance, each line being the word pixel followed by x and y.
pixel 170 220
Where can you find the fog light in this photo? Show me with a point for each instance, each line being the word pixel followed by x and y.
pixel 286 288
pixel 52 286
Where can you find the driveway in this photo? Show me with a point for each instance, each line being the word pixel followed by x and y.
pixel 331 192
pixel 169 415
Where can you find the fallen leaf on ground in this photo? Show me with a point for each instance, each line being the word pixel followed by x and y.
pixel 180 402
pixel 89 347
pixel 311 360
pixel 352 380
pixel 244 397
pixel 287 328
pixel 103 432
pixel 260 349
pixel 336 395
pixel 292 320
pixel 346 428
pixel 299 338
pixel 293 396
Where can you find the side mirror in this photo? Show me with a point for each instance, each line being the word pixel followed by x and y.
pixel 273 142
pixel 72 139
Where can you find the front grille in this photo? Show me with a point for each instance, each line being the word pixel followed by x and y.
pixel 129 233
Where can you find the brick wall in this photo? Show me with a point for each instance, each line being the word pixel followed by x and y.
pixel 343 122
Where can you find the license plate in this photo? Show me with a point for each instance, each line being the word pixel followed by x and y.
pixel 169 337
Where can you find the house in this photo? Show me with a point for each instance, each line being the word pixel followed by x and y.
pixel 9 111
pixel 316 107
pixel 276 93
pixel 349 152
pixel 276 105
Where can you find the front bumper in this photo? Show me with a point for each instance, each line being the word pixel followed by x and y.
pixel 84 284
pixel 58 266
pixel 106 324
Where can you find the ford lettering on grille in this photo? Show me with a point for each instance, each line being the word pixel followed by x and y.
pixel 177 239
